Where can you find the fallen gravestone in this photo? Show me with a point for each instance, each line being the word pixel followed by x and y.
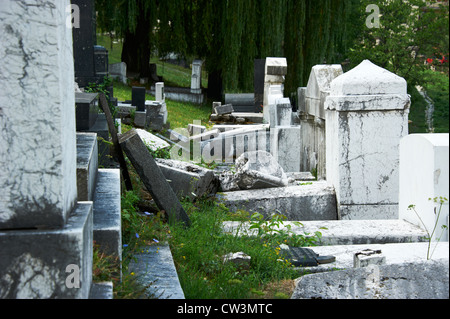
pixel 254 170
pixel 152 177
pixel 188 179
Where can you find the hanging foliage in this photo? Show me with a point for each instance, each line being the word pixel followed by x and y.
pixel 229 34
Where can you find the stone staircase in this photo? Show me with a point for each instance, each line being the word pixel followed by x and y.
pixel 314 205
pixel 154 264
pixel 102 187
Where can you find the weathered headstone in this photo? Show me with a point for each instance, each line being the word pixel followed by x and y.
pixel 118 71
pixel 424 175
pixel 152 177
pixel 311 111
pixel 196 78
pixel 224 109
pixel 366 116
pixel 45 234
pixel 159 92
pixel 83 43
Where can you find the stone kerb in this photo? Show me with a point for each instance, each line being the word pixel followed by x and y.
pixel 366 116
pixel 424 174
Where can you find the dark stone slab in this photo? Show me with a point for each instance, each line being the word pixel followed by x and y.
pixel 259 69
pixel 83 43
pixel 86 110
pixel 152 177
pixel 100 61
pixel 138 98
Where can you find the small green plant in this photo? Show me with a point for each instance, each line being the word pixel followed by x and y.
pixel 274 229
pixel 437 212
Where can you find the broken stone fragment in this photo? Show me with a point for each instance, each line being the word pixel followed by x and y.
pixel 368 257
pixel 240 259
pixel 254 170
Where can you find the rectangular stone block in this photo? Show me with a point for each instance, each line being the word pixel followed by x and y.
pixel 86 110
pixel 298 203
pixel 224 109
pixel 107 229
pixel 424 175
pixel 87 165
pixel 138 98
pixel 49 263
pixel 276 66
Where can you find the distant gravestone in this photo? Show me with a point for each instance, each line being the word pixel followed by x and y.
pixel 83 43
pixel 138 98
pixel 258 83
pixel 196 78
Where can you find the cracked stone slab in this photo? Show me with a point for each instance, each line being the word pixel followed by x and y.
pixel 414 280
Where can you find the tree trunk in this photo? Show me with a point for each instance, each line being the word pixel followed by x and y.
pixel 215 87
pixel 136 50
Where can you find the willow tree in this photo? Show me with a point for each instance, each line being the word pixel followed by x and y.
pixel 230 34
pixel 133 21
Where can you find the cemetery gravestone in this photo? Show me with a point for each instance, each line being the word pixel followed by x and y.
pixel 152 177
pixel 259 70
pixel 424 174
pixel 46 234
pixel 83 43
pixel 366 116
pixel 138 98
pixel 196 78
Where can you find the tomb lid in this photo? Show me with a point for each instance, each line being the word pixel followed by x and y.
pixel 368 79
pixel 320 79
pixel 82 97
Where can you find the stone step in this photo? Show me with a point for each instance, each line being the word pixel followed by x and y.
pixel 394 253
pixel 345 232
pixel 107 212
pixel 102 290
pixel 154 266
pixel 425 279
pixel 309 201
pixel 87 165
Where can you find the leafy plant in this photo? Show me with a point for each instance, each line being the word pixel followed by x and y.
pixel 440 201
pixel 277 231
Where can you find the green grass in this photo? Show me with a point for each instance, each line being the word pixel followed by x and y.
pixel 436 85
pixel 180 113
pixel 173 75
pixel 198 254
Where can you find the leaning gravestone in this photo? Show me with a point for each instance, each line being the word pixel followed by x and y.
pixel 152 177
pixel 45 234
